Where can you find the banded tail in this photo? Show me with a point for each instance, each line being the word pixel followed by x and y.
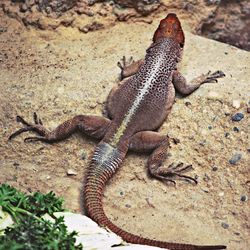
pixel 105 161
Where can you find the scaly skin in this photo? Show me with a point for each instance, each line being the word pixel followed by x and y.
pixel 139 105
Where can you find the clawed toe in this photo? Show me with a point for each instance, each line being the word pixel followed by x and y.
pixel 179 168
pixel 32 139
pixel 120 65
pixel 36 119
pixel 165 179
pixel 21 120
pixel 20 131
pixel 186 177
pixel 131 60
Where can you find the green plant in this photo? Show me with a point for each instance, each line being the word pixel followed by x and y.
pixel 30 230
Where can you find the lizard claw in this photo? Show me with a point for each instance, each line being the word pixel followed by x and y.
pixel 124 63
pixel 36 119
pixel 32 139
pixel 20 131
pixel 213 77
pixel 36 127
pixel 173 170
pixel 21 120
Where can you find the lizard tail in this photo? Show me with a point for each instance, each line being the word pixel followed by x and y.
pixel 104 163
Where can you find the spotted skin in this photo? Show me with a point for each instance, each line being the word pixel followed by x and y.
pixel 135 107
pixel 151 90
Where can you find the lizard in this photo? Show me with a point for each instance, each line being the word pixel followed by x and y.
pixel 136 108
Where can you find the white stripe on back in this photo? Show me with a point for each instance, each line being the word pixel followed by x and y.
pixel 136 104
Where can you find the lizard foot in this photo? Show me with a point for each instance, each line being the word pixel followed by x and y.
pixel 36 127
pixel 123 64
pixel 173 170
pixel 213 77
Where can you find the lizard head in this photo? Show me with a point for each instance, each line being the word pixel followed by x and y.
pixel 170 27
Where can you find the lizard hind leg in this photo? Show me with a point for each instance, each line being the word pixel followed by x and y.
pixel 148 141
pixel 93 126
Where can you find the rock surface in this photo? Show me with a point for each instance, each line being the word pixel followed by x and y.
pixel 64 73
pixel 91 236
pixel 229 23
pixel 222 20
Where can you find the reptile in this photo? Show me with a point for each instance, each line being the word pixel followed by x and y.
pixel 136 108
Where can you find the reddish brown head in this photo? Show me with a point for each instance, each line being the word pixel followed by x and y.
pixel 170 27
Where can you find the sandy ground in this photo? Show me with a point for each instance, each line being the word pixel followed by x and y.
pixel 64 73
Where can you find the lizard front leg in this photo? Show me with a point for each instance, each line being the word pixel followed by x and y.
pixel 130 67
pixel 149 141
pixel 90 125
pixel 184 88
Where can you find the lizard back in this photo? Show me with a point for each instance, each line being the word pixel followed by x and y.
pixel 140 103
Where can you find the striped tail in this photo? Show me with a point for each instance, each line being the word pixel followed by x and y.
pixel 105 161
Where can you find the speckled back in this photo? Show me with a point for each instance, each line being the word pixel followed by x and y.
pixel 140 103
